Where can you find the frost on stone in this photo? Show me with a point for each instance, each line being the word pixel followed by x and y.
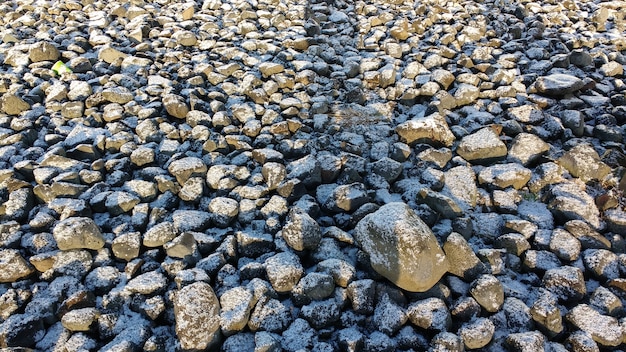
pixel 196 309
pixel 401 247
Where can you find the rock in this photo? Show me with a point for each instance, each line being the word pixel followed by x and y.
pixel 187 167
pixel 570 201
pixel 191 220
pixel 175 106
pixel 615 220
pixel 431 129
pixel 532 341
pixel 78 233
pixel 284 271
pixel 604 329
pixel 159 234
pixel 119 95
pixel 606 302
pixel 388 168
pixel 342 272
pixel 430 313
pixel 223 210
pixel 22 330
pixel 120 202
pixel 147 284
pixel 236 305
pixel 603 264
pixel 270 315
pixel 446 206
pixel 612 69
pixel 527 148
pixel 388 316
pixel 301 231
pixel 558 84
pixel 463 261
pixel 197 314
pixel 460 185
pixel 347 198
pixel 488 292
pixel 564 245
pixel 482 146
pixel 566 283
pixel 316 286
pixel 401 247
pixel 80 319
pixel 579 341
pixel 477 333
pixel 321 314
pixel 583 162
pixel 13 266
pixel 546 313
pixel 529 114
pixel 588 237
pixel 505 175
pixel 43 51
pixel 11 104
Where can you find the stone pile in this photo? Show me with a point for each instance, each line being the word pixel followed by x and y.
pixel 312 176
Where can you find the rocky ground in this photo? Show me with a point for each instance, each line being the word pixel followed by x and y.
pixel 271 175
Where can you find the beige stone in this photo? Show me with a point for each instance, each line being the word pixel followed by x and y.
pixel 197 314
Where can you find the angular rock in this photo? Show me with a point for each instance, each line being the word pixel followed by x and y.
pixel 301 231
pixel 11 104
pixel 147 284
pixel 223 210
pixel 583 162
pixel 159 234
pixel 567 283
pixel 532 341
pixel 236 305
pixel 481 146
pixel 570 201
pixel 526 148
pixel 488 292
pixel 401 247
pixel 13 266
pixel 43 51
pixel 347 198
pixel 197 314
pixel 505 175
pixel 187 167
pixel 283 271
pixel 604 329
pixel 430 313
pixel 175 105
pixel 463 261
pixel 78 233
pixel 431 129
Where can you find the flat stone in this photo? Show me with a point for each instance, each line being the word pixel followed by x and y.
pixel 431 129
pixel 43 51
pixel 558 84
pixel 401 247
pixel 505 175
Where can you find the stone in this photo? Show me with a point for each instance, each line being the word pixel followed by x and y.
pixel 301 231
pixel 80 319
pixel 505 175
pixel 175 105
pixel 567 283
pixel 602 263
pixel 119 95
pixel 531 341
pixel 401 247
pixel 321 314
pixel 347 198
pixel 431 313
pixel 526 148
pixel 187 167
pixel 223 210
pixel 558 84
pixel 120 202
pixel 78 233
pixel 477 333
pixel 612 69
pixel 432 129
pixel 580 341
pixel 191 220
pixel 445 206
pixel 284 271
pixel 564 245
pixel 529 114
pixel 482 146
pixel 236 305
pixel 488 292
pixel 570 201
pixel 547 314
pixel 583 162
pixel 11 104
pixel 604 329
pixel 460 185
pixel 197 315
pixel 13 266
pixel 159 234
pixel 464 263
pixel 388 316
pixel 43 51
pixel 270 315
pixel 147 284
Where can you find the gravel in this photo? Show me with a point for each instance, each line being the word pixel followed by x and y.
pixel 266 175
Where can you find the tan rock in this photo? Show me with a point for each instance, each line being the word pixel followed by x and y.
pixel 197 314
pixel 485 144
pixel 401 247
pixel 13 266
pixel 11 104
pixel 431 129
pixel 583 162
pixel 78 233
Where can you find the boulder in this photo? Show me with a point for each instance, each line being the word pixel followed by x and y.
pixel 402 247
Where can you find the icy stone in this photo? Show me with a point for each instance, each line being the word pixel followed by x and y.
pixel 401 247
pixel 477 333
pixel 77 233
pixel 13 266
pixel 530 114
pixel 583 162
pixel 11 104
pixel 588 237
pixel 191 220
pixel 460 185
pixel 236 305
pixel 505 175
pixel 430 313
pixel 223 210
pixel 488 292
pixel 432 129
pixel 603 264
pixel 564 245
pixel 321 314
pixel 120 202
pixel 301 231
pixel 270 315
pixel 362 295
pixel 342 272
pixel 463 261
pixel 567 283
pixel 197 314
pixel 604 329
pixel 80 319
pixel 481 146
pixel 283 271
pixel 127 246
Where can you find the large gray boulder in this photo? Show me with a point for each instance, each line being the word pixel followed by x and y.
pixel 402 247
